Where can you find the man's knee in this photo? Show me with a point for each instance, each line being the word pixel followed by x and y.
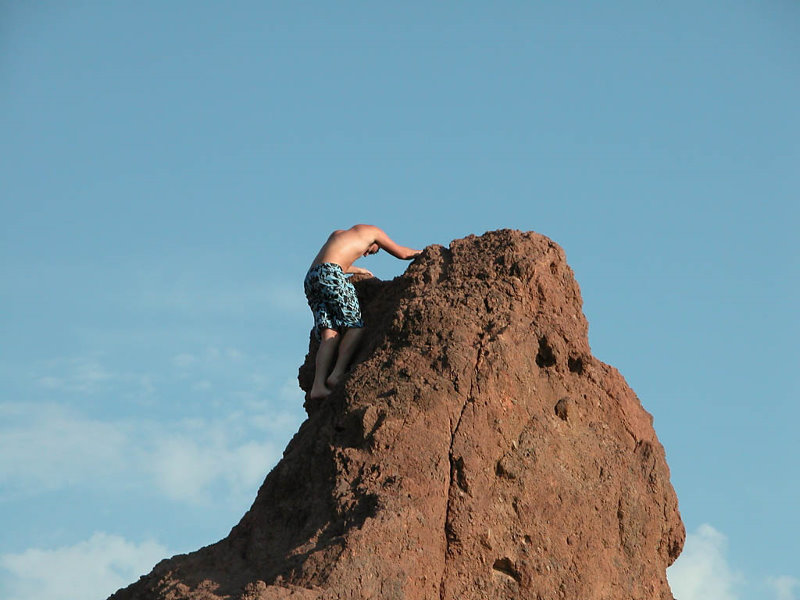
pixel 328 334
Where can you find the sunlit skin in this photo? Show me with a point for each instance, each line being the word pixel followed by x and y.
pixel 344 247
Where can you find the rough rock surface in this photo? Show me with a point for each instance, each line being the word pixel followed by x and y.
pixel 477 450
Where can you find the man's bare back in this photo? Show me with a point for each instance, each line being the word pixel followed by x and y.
pixel 344 246
pixel 333 299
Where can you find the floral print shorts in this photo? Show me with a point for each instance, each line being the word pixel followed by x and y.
pixel 332 298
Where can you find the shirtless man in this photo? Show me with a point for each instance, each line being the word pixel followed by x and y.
pixel 333 300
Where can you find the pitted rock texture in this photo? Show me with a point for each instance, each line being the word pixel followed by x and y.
pixel 477 450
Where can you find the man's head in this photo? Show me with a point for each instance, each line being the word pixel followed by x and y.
pixel 373 249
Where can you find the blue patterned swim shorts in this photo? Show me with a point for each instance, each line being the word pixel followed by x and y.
pixel 332 298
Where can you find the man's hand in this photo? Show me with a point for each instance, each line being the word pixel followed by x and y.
pixel 354 269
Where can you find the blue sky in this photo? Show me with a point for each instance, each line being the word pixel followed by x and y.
pixel 170 169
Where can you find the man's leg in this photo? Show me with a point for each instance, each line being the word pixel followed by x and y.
pixel 350 341
pixel 327 348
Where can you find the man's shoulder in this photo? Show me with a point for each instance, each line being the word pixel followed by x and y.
pixel 366 231
pixel 363 227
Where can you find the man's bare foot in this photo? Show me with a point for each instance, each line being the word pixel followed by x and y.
pixel 319 394
pixel 334 379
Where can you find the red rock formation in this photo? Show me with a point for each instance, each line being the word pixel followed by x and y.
pixel 477 450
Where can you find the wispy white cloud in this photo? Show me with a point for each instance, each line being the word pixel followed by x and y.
pixel 702 572
pixel 785 587
pixel 79 374
pixel 187 469
pixel 91 569
pixel 184 360
pixel 200 457
pixel 247 415
pixel 45 447
pixel 226 359
pixel 91 375
pixel 272 421
pixel 86 377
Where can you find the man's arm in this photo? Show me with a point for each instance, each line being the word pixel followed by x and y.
pixel 352 269
pixel 396 250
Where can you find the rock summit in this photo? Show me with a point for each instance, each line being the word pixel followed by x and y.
pixel 477 450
